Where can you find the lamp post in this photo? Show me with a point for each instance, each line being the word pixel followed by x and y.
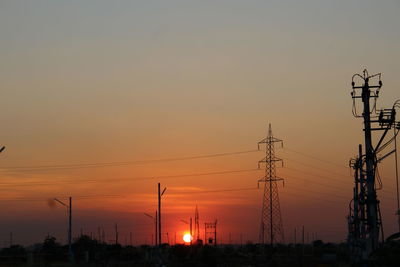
pixel 155 223
pixel 159 212
pixel 69 208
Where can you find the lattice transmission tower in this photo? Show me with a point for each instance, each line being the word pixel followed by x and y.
pixel 271 229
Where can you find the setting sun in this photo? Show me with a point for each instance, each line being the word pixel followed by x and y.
pixel 187 238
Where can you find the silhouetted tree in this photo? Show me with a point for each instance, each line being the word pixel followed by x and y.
pixel 52 251
pixel 318 243
pixel 50 245
pixel 84 244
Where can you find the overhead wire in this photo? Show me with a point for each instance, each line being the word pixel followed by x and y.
pixel 315 158
pixel 64 197
pixel 338 189
pixel 220 191
pixel 314 167
pixel 119 163
pixel 132 179
pixel 316 175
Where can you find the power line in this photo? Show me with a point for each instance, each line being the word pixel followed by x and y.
pixel 335 188
pixel 316 158
pixel 315 167
pixel 321 184
pixel 133 179
pixel 315 175
pixel 82 197
pixel 314 197
pixel 219 191
pixel 119 163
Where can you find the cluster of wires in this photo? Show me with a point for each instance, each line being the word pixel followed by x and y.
pixel 379 185
pixel 382 147
pixel 396 105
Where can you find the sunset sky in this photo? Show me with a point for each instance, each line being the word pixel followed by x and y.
pixel 134 82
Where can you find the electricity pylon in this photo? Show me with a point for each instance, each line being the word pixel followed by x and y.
pixel 271 229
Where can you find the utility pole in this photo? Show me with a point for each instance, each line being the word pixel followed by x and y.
pixel 302 240
pixel 159 212
pixel 355 219
pixel 362 197
pixel 397 177
pixel 371 194
pixel 191 233
pixel 358 169
pixel 156 230
pixel 372 210
pixel 271 229
pixel 196 225
pixel 215 233
pixel 116 234
pixel 383 120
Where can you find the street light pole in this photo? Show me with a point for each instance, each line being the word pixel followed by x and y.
pixel 156 226
pixel 191 231
pixel 69 208
pixel 70 227
pixel 159 215
pixel 159 212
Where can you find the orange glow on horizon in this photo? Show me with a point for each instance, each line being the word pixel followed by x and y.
pixel 187 237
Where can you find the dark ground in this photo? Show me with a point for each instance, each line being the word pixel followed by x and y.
pixel 88 252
